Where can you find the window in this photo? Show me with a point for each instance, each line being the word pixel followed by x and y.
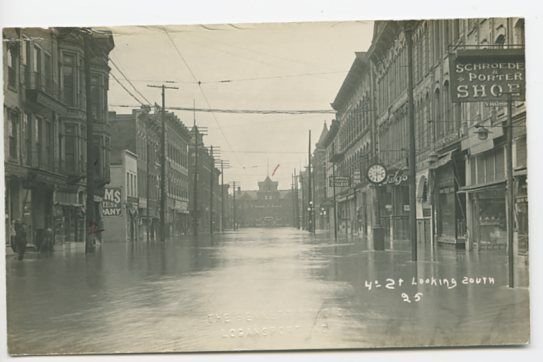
pixel 37 67
pixel 28 138
pixel 47 73
pixel 447 112
pixel 456 30
pixel 48 144
pixel 437 41
pixel 39 140
pixel 12 64
pixel 128 184
pixel 13 134
pixel 519 32
pixel 438 122
pixel 500 41
pixel 95 97
pixel 70 147
pixel 68 79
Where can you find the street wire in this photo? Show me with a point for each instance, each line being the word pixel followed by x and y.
pixel 127 91
pixel 240 111
pixel 233 80
pixel 201 90
pixel 128 80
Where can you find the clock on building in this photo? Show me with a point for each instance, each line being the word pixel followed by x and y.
pixel 377 173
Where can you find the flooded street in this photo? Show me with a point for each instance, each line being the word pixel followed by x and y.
pixel 258 289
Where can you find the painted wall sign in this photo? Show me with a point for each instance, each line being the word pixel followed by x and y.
pixel 111 205
pixel 488 75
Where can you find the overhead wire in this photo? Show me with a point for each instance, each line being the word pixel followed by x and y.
pixel 128 80
pixel 127 90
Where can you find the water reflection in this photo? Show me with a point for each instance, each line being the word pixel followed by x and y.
pixel 257 289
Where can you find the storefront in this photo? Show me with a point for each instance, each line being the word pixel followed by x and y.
pixel 69 215
pixel 486 203
pixel 394 203
pixel 449 207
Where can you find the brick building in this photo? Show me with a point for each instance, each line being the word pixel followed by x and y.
pixel 46 119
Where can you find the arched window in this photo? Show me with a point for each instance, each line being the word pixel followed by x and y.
pixel 427 120
pixel 437 120
pixel 519 32
pixel 500 40
pixel 447 109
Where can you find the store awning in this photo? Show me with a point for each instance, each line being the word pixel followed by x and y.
pixel 442 160
pixel 480 187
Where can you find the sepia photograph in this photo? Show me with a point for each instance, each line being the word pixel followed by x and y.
pixel 267 186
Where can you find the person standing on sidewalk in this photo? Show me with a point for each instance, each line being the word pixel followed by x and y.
pixel 20 239
pixel 12 234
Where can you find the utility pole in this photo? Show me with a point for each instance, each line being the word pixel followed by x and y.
pixel 510 191
pixel 162 160
pixel 195 183
pixel 90 240
pixel 224 164
pixel 297 201
pixel 292 200
pixel 334 197
pixel 311 220
pixel 234 207
pixel 303 200
pixel 222 196
pixel 408 30
pixel 211 191
pixel 147 187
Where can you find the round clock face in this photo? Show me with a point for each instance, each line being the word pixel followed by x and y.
pixel 377 173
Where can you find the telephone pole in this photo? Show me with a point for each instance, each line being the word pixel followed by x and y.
pixel 91 153
pixel 224 164
pixel 412 159
pixel 213 151
pixel 234 227
pixel 162 160
pixel 311 215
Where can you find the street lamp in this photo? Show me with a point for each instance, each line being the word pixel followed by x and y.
pixel 482 132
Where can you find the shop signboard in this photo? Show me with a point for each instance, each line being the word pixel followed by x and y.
pixel 488 75
pixel 111 204
pixel 339 181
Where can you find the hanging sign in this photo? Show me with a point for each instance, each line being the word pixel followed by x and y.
pixel 339 181
pixel 488 75
pixel 396 178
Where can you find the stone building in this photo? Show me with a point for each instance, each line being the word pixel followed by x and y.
pixel 45 128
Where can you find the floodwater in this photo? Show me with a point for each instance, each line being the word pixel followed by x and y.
pixel 261 289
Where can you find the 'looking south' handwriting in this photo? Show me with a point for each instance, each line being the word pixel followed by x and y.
pixel 450 283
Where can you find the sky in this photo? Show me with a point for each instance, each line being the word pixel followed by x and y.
pixel 274 66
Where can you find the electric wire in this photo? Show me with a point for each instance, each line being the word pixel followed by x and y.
pixel 128 80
